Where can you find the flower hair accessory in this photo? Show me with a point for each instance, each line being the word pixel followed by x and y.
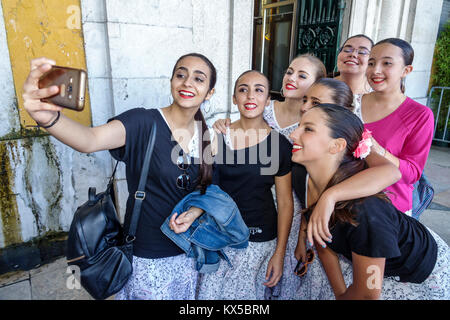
pixel 363 148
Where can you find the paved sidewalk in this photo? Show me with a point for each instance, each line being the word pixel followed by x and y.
pixel 437 170
pixel 51 281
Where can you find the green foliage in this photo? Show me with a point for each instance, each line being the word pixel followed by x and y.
pixel 441 77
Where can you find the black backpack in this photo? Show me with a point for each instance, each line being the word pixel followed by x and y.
pixel 97 242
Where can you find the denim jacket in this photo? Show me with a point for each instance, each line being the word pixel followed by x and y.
pixel 220 226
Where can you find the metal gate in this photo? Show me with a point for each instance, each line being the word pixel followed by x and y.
pixel 283 29
pixel 319 29
pixel 439 102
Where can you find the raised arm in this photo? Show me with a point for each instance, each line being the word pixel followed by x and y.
pixel 71 133
pixel 381 174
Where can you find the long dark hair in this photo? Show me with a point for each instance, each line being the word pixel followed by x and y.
pixel 343 123
pixel 407 53
pixel 205 176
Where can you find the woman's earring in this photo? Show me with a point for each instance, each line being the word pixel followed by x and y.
pixel 281 92
pixel 170 100
pixel 402 85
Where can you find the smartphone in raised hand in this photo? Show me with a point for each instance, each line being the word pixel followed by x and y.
pixel 72 87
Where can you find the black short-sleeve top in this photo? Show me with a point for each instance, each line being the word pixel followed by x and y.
pixel 382 232
pixel 162 193
pixel 248 175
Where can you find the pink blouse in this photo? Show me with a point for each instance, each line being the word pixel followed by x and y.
pixel 407 134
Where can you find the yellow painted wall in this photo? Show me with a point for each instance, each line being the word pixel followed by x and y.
pixel 50 28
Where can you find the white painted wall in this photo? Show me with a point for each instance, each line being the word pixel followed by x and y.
pixel 9 120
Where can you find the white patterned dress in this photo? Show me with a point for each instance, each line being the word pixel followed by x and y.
pixel 289 283
pixel 314 285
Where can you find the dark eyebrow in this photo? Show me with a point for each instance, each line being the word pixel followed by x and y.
pixel 195 71
pixel 361 47
pixel 386 57
pixel 256 85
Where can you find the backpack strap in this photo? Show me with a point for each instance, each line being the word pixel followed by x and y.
pixel 139 195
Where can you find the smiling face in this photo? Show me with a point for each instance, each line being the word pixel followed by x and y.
pixel 316 94
pixel 386 68
pixel 354 56
pixel 251 94
pixel 299 76
pixel 311 139
pixel 190 82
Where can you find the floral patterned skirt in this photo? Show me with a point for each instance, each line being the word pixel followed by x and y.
pixel 171 278
pixel 435 287
pixel 242 282
pixel 290 282
pixel 315 284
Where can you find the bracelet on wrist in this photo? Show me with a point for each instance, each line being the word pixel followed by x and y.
pixel 51 124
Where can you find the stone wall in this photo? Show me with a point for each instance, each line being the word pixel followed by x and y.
pixel 131 48
pixel 415 21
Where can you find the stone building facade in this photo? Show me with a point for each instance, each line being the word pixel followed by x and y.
pixel 130 48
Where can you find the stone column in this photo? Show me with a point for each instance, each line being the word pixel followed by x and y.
pixel 390 19
pixel 415 21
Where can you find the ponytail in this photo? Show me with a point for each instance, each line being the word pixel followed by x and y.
pixel 205 176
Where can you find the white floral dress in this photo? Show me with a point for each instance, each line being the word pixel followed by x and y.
pixel 289 283
pixel 315 285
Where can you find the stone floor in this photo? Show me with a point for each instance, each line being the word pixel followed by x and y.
pixel 54 280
